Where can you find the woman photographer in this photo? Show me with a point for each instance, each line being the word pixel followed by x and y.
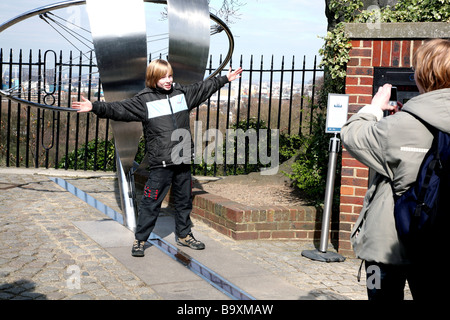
pixel 394 148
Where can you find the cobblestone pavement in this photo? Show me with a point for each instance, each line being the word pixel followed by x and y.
pixel 41 250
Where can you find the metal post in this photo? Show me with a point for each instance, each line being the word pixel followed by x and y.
pixel 328 204
pixel 322 254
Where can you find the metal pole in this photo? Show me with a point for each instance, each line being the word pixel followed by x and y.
pixel 328 204
pixel 322 254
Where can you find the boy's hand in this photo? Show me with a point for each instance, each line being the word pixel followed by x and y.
pixel 84 106
pixel 233 75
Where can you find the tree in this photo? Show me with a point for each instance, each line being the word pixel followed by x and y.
pixel 227 11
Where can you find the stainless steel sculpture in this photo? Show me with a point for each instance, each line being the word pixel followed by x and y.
pixel 188 39
pixel 119 34
pixel 120 42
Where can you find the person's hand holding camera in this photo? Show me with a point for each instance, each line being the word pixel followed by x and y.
pixel 382 100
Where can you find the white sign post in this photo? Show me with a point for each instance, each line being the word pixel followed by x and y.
pixel 336 117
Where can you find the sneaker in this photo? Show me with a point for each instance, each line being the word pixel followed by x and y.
pixel 138 248
pixel 191 242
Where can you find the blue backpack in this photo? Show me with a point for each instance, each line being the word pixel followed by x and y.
pixel 426 204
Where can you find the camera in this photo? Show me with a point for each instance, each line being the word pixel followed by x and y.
pixel 393 102
pixel 393 98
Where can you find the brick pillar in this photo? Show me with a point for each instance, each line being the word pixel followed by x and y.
pixel 364 56
pixel 354 177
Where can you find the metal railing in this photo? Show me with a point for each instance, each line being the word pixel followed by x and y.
pixel 276 96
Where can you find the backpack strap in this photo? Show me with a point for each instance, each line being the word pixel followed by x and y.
pixel 431 167
pixel 426 182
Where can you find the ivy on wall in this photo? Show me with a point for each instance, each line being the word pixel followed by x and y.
pixel 336 48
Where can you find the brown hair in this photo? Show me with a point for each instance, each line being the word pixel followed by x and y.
pixel 432 65
pixel 156 70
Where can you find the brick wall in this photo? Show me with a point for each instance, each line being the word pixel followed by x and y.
pixel 364 56
pixel 242 222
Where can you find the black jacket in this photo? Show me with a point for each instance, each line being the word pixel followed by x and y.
pixel 162 113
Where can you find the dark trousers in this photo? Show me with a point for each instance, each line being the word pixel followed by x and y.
pixel 387 282
pixel 156 188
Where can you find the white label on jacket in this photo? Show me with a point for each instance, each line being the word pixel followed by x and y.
pixel 161 107
pixel 409 149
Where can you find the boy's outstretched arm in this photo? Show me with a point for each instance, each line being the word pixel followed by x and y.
pixel 127 110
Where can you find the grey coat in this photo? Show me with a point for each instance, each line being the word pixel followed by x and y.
pixel 394 147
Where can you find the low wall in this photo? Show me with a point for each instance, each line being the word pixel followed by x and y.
pixel 242 222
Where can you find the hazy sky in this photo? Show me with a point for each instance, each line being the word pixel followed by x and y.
pixel 265 27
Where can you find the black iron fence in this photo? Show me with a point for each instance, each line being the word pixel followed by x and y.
pixel 271 94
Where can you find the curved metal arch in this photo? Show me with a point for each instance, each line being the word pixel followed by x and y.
pixel 65 4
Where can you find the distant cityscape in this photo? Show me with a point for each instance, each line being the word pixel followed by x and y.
pixel 25 85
